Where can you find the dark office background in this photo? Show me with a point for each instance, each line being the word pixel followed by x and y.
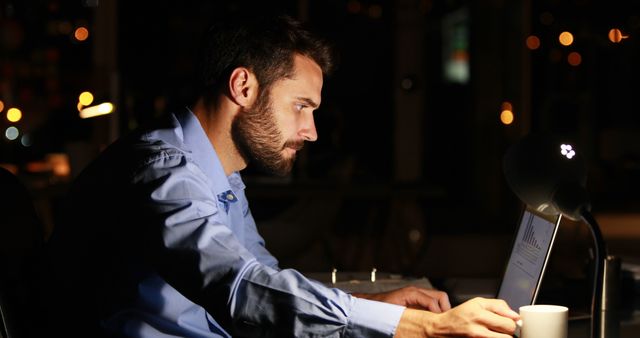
pixel 406 175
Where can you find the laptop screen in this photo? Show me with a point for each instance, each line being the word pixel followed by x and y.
pixel 529 256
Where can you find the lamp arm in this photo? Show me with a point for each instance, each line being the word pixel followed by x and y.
pixel 599 261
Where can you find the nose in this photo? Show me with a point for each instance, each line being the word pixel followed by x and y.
pixel 308 128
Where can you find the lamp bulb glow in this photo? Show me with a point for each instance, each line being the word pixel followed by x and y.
pixel 567 151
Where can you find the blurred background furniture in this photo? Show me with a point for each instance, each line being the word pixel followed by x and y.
pixel 20 241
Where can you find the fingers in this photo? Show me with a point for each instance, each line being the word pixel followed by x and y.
pixel 499 317
pixel 413 297
pixel 476 318
pixel 426 299
pixel 500 307
pixel 424 302
pixel 498 323
pixel 441 297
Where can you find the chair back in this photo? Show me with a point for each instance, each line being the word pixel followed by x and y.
pixel 21 239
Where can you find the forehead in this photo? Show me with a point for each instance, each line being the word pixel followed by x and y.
pixel 306 80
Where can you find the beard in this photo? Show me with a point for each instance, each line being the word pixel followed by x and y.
pixel 256 135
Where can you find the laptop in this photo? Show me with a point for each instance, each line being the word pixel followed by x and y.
pixel 524 270
pixel 530 253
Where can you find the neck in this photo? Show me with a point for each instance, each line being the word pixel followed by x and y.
pixel 216 121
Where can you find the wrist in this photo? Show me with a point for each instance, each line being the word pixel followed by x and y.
pixel 378 297
pixel 431 321
pixel 416 323
pixel 362 295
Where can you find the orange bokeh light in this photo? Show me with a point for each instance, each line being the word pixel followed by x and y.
pixel 533 42
pixel 81 33
pixel 616 36
pixel 506 117
pixel 574 58
pixel 566 38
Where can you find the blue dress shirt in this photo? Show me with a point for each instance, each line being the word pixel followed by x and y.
pixel 202 269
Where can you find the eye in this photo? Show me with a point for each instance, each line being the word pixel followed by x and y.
pixel 300 106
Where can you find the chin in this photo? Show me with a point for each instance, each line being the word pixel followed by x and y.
pixel 286 169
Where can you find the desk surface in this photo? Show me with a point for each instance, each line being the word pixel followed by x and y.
pixel 618 325
pixel 628 326
pixel 360 282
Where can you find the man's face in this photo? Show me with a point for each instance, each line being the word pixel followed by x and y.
pixel 274 128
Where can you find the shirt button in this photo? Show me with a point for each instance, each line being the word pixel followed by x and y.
pixel 230 197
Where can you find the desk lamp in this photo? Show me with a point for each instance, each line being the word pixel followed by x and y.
pixel 550 176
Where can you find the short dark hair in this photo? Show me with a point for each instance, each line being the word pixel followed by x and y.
pixel 264 45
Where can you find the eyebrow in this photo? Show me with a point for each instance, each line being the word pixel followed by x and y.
pixel 309 102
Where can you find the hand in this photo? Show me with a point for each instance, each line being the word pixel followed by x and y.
pixel 479 317
pixel 412 297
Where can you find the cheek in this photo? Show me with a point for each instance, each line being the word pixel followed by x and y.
pixel 287 123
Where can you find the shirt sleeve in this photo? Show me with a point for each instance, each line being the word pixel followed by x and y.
pixel 203 260
pixel 255 242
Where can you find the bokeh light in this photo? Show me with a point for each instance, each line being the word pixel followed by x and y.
pixel 574 58
pixel 616 36
pixel 506 115
pixel 26 140
pixel 11 133
pixel 59 163
pixel 85 98
pixel 565 38
pixel 533 42
pixel 81 33
pixel 101 109
pixel 14 115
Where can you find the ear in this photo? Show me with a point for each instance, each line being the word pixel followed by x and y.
pixel 243 86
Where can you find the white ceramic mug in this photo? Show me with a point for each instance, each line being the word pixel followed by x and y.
pixel 543 321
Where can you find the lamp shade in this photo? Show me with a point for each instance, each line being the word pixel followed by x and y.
pixel 548 175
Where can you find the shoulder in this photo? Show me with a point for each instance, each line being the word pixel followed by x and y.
pixel 156 146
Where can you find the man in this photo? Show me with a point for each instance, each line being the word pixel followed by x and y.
pixel 161 241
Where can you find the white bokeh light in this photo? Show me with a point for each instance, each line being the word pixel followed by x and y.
pixel 11 133
pixel 567 151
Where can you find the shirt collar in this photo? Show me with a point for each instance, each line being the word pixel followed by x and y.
pixel 205 156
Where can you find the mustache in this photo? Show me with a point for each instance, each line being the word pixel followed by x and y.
pixel 294 144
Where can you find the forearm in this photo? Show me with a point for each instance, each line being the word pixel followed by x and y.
pixel 312 309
